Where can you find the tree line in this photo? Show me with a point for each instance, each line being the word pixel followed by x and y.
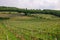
pixel 31 11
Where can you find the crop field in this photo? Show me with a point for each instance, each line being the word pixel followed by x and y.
pixel 34 27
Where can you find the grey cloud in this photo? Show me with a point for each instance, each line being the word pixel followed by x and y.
pixel 32 4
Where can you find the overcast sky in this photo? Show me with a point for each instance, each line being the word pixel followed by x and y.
pixel 32 4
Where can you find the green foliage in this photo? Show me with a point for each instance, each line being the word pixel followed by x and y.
pixel 52 12
pixel 31 11
pixel 4 18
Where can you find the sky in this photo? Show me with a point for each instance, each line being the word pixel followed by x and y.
pixel 32 4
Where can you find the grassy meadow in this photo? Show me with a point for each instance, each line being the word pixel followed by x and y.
pixel 31 27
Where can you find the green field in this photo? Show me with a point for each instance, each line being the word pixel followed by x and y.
pixel 34 27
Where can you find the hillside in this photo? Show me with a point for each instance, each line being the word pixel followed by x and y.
pixel 33 27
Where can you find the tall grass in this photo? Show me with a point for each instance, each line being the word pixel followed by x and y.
pixel 32 27
pixel 35 30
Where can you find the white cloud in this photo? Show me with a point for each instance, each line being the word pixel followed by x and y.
pixel 35 4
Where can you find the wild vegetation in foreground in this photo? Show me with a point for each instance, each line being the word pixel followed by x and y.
pixel 33 27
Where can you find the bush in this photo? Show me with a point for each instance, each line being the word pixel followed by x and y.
pixel 4 18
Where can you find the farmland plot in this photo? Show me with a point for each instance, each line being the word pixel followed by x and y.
pixel 29 24
pixel 34 29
